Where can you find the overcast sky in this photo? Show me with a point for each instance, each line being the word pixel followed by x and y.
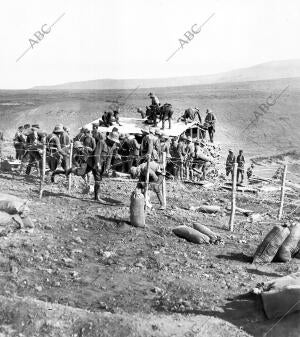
pixel 134 38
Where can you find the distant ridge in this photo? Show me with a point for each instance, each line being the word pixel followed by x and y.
pixel 263 71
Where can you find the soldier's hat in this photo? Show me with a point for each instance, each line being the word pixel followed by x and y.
pixel 36 126
pixel 20 127
pixel 115 129
pixel 183 137
pixel 122 136
pixel 27 126
pixel 58 128
pixel 114 136
pixel 230 150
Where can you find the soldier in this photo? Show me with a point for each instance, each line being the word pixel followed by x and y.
pixel 250 171
pixel 124 152
pixel 147 144
pixel 181 149
pixel 34 143
pixel 88 141
pixel 64 137
pixel 189 156
pixel 105 151
pixel 174 166
pixel 210 124
pixel 107 118
pixel 54 150
pixel 19 143
pixel 190 115
pixel 229 163
pixel 80 135
pixel 116 113
pixel 95 133
pixel 155 179
pixel 154 108
pixel 199 163
pixel 134 152
pixel 241 166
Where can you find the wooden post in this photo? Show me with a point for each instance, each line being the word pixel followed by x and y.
pixel 164 188
pixel 233 204
pixel 147 181
pixel 198 132
pixel 282 192
pixel 70 163
pixel 43 171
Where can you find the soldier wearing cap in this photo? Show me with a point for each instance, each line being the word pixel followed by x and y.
pixel 64 137
pixel 230 162
pixel 105 151
pixel 210 123
pixel 154 108
pixel 107 118
pixel 155 179
pixel 19 143
pixel 54 150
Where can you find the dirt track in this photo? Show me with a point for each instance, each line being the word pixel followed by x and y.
pixel 85 255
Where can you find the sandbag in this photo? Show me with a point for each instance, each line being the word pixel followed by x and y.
pixel 206 209
pixel 5 218
pixel 137 209
pixel 267 250
pixel 190 234
pixel 13 205
pixel 204 230
pixel 281 296
pixel 289 246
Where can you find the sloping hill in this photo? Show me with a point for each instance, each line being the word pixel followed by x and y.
pixel 264 71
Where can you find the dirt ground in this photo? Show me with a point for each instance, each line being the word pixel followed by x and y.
pixel 86 258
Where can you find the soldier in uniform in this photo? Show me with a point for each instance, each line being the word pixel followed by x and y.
pixel 19 143
pixel 210 123
pixel 147 144
pixel 241 166
pixel 229 163
pixel 134 152
pixel 95 133
pixel 88 141
pixel 189 156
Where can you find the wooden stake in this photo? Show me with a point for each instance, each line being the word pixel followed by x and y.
pixel 70 163
pixel 282 192
pixel 233 204
pixel 147 181
pixel 164 189
pixel 43 171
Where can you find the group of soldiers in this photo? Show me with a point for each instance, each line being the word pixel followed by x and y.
pixel 240 160
pixel 157 112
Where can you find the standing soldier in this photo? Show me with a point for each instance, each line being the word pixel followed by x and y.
pixel 19 143
pixel 147 144
pixel 64 137
pixel 116 113
pixel 190 152
pixel 105 151
pixel 134 152
pixel 174 158
pixel 250 171
pixel 95 133
pixel 241 166
pixel 124 152
pixel 201 159
pixel 53 148
pixel 88 141
pixel 181 149
pixel 34 143
pixel 229 163
pixel 210 122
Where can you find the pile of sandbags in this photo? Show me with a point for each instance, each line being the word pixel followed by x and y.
pixel 14 213
pixel 198 234
pixel 280 244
